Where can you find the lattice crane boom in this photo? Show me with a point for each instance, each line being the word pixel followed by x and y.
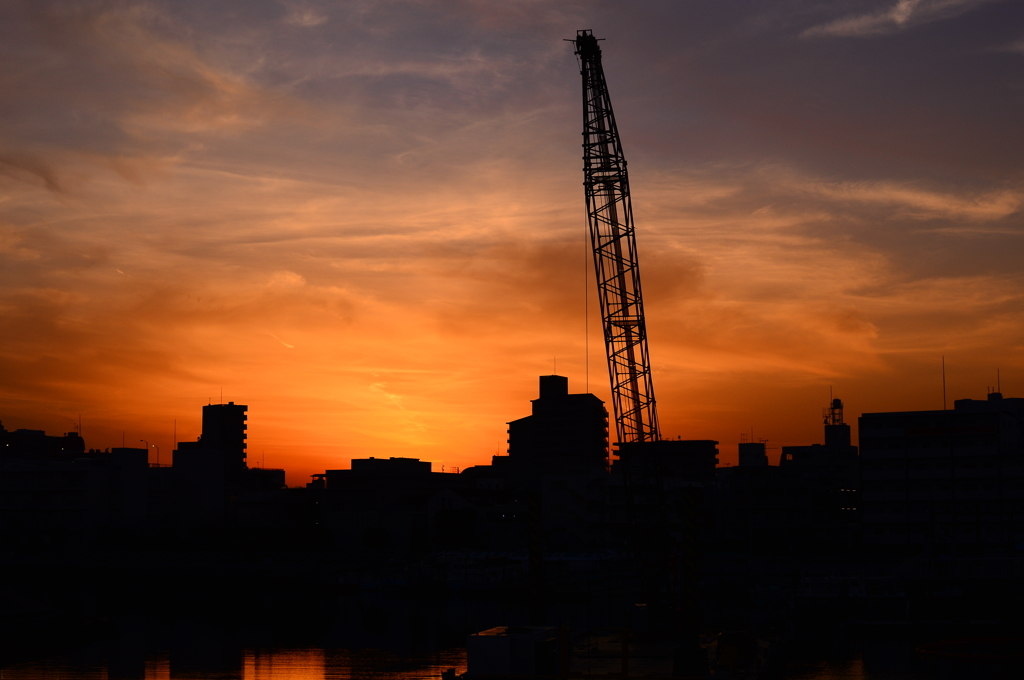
pixel 613 238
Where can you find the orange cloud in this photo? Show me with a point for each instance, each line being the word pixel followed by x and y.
pixel 377 241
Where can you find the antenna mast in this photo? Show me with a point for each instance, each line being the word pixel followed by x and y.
pixel 613 238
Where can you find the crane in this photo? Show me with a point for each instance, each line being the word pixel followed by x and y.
pixel 641 449
pixel 613 238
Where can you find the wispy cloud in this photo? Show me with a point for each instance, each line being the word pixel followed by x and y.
pixel 29 168
pixel 281 341
pixel 912 202
pixel 903 14
pixel 1015 47
pixel 305 15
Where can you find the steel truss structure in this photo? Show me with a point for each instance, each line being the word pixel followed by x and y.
pixel 612 235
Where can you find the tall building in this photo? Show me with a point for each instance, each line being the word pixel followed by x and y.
pixel 947 481
pixel 205 469
pixel 224 433
pixel 559 453
pixel 564 430
pixel 224 428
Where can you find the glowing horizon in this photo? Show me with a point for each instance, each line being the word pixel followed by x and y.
pixel 367 224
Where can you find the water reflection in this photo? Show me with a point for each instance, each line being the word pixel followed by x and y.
pixel 391 638
pixel 260 664
pixel 859 659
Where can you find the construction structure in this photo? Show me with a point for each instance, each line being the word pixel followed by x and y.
pixel 667 565
pixel 610 218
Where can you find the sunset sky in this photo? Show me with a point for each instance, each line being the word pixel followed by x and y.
pixel 365 219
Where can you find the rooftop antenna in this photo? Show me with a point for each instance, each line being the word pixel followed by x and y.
pixel 221 394
pixel 999 387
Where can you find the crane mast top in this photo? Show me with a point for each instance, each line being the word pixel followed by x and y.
pixel 613 238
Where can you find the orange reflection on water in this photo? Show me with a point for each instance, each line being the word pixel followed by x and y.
pixel 284 664
pixel 343 664
pixel 261 664
pixel 158 667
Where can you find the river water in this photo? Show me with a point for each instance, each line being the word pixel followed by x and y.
pixel 248 664
pixel 380 638
pixel 857 660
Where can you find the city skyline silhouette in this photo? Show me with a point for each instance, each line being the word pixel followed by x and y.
pixel 317 361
